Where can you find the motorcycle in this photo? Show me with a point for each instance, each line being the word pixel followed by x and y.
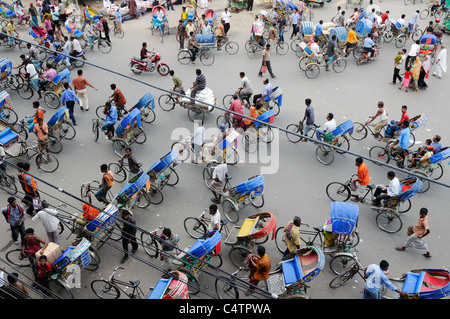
pixel 60 61
pixel 138 66
pixel 364 57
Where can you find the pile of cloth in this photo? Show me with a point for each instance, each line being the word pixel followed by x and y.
pixel 206 95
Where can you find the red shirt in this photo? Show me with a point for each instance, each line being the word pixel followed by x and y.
pixel 405 117
pixel 384 17
pixel 236 106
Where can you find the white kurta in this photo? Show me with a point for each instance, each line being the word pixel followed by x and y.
pixel 442 57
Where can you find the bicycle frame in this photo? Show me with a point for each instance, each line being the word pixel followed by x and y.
pixel 118 283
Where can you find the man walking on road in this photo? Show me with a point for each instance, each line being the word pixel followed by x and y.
pixel 128 234
pixel 416 233
pixel 266 62
pixel 68 98
pixel 14 216
pixel 79 84
pixel 376 276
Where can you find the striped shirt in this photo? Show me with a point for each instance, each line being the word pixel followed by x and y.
pixel 200 81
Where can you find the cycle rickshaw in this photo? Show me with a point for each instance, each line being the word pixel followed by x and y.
pixel 128 132
pixel 73 29
pixel 201 254
pixel 338 138
pixel 197 110
pixel 147 105
pixel 388 218
pixel 254 230
pixel 204 53
pixel 159 21
pixel 257 131
pixel 7 114
pixel 428 46
pixel 392 130
pixel 242 195
pixel 59 127
pixel 304 35
pixel 174 287
pixel 425 283
pixel 54 89
pixel 211 16
pixel 227 148
pixel 134 193
pixel 7 80
pixel 92 14
pixel 162 173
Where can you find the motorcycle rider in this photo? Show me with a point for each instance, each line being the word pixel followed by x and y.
pixel 368 45
pixel 145 57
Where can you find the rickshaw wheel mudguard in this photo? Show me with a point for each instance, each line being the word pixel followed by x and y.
pixel 188 273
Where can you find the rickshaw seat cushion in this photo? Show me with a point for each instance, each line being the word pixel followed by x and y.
pixel 413 282
pixel 78 33
pixel 6 136
pixel 292 270
pixel 248 227
pixel 160 289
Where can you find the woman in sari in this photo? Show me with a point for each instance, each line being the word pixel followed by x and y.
pixel 415 73
pixel 424 72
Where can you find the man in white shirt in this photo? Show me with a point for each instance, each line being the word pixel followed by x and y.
pixel 402 20
pixel 245 91
pixel 214 223
pixel 441 62
pixel 385 192
pixel 49 221
pixel 329 126
pixel 197 140
pixel 218 180
pixel 206 28
pixel 415 48
pixel 32 74
pixel 226 18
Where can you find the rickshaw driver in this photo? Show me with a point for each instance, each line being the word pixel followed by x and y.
pixel 292 237
pixel 402 143
pixel 110 120
pixel 107 183
pixel 218 180
pixel 363 179
pixel 369 44
pixel 214 224
pixel 376 276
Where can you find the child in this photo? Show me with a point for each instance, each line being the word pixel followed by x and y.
pixel 44 274
pixel 405 82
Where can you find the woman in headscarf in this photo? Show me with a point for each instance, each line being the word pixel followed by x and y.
pixel 415 73
pixel 132 8
pixel 424 72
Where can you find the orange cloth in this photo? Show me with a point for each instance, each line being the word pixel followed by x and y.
pixel 39 115
pixel 252 114
pixel 363 174
pixel 89 212
pixel 421 227
pixel 262 268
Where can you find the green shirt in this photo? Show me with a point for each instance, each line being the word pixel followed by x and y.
pixel 176 80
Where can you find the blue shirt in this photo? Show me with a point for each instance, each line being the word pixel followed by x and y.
pixel 111 117
pixel 377 277
pixel 267 89
pixel 368 42
pixel 118 16
pixel 403 138
pixel 14 214
pixel 319 29
pixel 68 95
pixel 295 17
pixel 437 147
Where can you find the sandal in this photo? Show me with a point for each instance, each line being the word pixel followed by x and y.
pixel 428 255
pixel 400 248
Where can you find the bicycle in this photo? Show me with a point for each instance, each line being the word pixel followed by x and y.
pixel 120 170
pixel 349 273
pixel 341 192
pixel 204 54
pixel 7 114
pixel 313 69
pixel 112 288
pixel 196 112
pixel 197 228
pixel 152 242
pixel 7 183
pixel 118 32
pixel 228 287
pixel 298 129
pixel 361 129
pixel 307 237
pixel 438 13
pixel 231 47
pixel 254 49
pixel 87 190
pixel 102 44
pixel 47 162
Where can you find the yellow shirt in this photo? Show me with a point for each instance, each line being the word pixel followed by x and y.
pixel 184 15
pixel 10 29
pixel 294 241
pixel 351 37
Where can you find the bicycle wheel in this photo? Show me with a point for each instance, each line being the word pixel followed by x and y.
pixel 325 154
pixel 52 100
pixel 25 91
pixel 227 100
pixel 8 184
pixel 95 130
pixel 341 262
pixel 207 176
pixel 359 131
pixel 303 63
pixel 232 47
pixel 389 221
pixel 119 148
pixel 104 289
pixel 223 119
pixel 118 33
pixel 15 257
pixel 343 143
pixel 194 286
pixel 182 151
pixel 166 102
pixel 226 289
pixel 150 245
pixel 256 201
pixel 173 177
pixel 142 199
pixel 339 65
pixel 416 34
pixel 254 51
pixel 388 36
pixel 340 279
pixel 412 139
pixel 68 131
pixel 104 46
pixel 184 57
pixel 231 156
pixel 338 192
pixel 195 228
pixel 295 45
pixel 280 236
pixel 216 261
pixel 266 134
pixel 379 153
pixel 9 115
pixel 115 232
pixel 57 288
pixel 312 70
pixel 156 196
pixel 426 183
pixel 48 163
pixel 404 207
pixel 436 171
pixel 400 41
pixel 148 115
pixel 139 136
pixel 294 129
pixel 238 255
pixel 95 260
pixel 196 113
pixel 282 48
pixel 424 14
pixel 207 58
pixel 230 211
pixel 54 145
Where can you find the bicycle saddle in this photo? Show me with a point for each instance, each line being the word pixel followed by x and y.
pixel 371 186
pixel 134 283
pixel 224 221
pixel 228 177
pixel 319 229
